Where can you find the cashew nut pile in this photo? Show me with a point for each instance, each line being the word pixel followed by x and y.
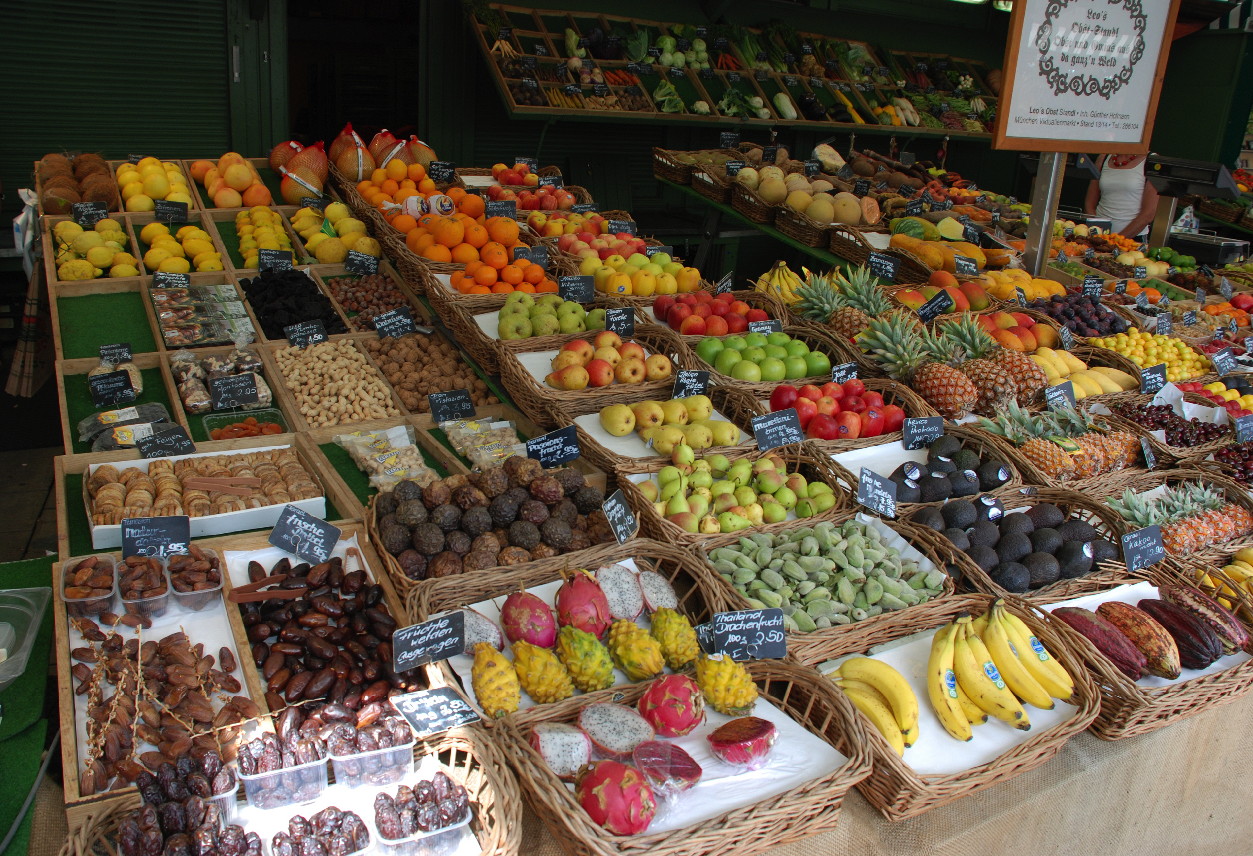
pixel 334 384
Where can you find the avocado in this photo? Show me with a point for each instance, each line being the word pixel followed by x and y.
pixel 942 465
pixel 1103 551
pixel 1043 569
pixel 989 508
pixel 984 532
pixel 1046 514
pixel 1013 546
pixel 963 483
pixel 984 557
pixel 1077 530
pixel 1012 577
pixel 907 470
pixel 943 447
pixel 966 459
pixel 1016 523
pixel 1046 540
pixel 960 514
pixel 907 491
pixel 1075 559
pixel 935 488
pixel 992 474
pixel 958 537
pixel 930 518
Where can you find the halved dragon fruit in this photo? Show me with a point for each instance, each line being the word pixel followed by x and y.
pixel 615 730
pixel 666 767
pixel 564 748
pixel 622 590
pixel 616 797
pixel 657 591
pixel 524 616
pixel 744 742
pixel 479 628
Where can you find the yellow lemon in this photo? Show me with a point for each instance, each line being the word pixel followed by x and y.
pixel 337 211
pixel 132 188
pixel 140 202
pixel 123 270
pixel 367 245
pixel 84 241
pixel 156 185
pixel 100 257
pixel 174 265
pixel 147 162
pixel 200 258
pixel 210 264
pixel 331 251
pixel 108 225
pixel 195 246
pixel 152 231
pixel 154 257
pixel 313 242
pixel 66 229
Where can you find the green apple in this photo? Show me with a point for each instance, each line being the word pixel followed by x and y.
pixel 778 352
pixel 570 323
pixel 746 370
pixel 737 343
pixel 637 260
pixel 794 367
pixel 753 355
pixel 772 369
pixel 662 259
pixel 516 326
pixel 780 338
pixel 553 300
pixel 726 360
pixel 547 325
pixel 595 320
pixel 756 340
pixel 817 364
pixel 796 348
pixel 708 349
pixel 520 298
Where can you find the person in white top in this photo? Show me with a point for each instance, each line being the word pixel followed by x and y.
pixel 1123 195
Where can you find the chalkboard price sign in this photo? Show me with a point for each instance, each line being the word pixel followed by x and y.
pixel 169 212
pixel 772 326
pixel 535 255
pixel 580 289
pixel 429 642
pixel 750 634
pixel 621 519
pixel 619 227
pixel 1059 396
pixel 361 263
pixel 165 279
pixel 89 213
pixel 935 307
pixel 442 172
pixel 884 266
pixel 920 431
pixel 274 260
pixel 780 428
pixel 299 532
pixel 620 320
pixel 689 382
pixel 724 284
pixel 227 393
pixel 450 405
pixel 110 389
pixel 166 443
pixel 876 492
pixel 1092 286
pixel 664 248
pixel 1143 547
pixel 1244 429
pixel 305 333
pixel 733 167
pixel 1224 361
pixel 1066 338
pixel 116 353
pixel 395 323
pixel 435 711
pixel 843 371
pixel 728 139
pixel 501 208
pixel 156 536
pixel 554 448
pixel 965 265
pixel 1165 324
pixel 1152 378
pixel 555 180
pixel 861 187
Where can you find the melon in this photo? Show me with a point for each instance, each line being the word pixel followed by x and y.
pixel 821 186
pixel 355 162
pixel 798 201
pixel 847 209
pixel 821 210
pixel 951 229
pixel 772 172
pixel 748 177
pixel 772 190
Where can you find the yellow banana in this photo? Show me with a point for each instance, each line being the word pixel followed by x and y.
pixel 892 686
pixel 1050 674
pixel 1016 676
pixel 974 715
pixel 942 685
pixel 978 677
pixel 880 715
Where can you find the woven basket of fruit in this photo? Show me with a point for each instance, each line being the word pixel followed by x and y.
pixel 417 275
pixel 621 615
pixel 1231 585
pixel 900 568
pixel 543 372
pixel 789 483
pixel 677 166
pixel 423 533
pixel 751 204
pixel 799 354
pixel 711 182
pixel 467 756
pixel 471 334
pixel 1204 516
pixel 800 227
pixel 890 402
pixel 1094 374
pixel 1159 651
pixel 627 433
pixel 963 462
pixel 1040 543
pixel 900 691
pixel 820 722
pixel 742 302
pixel 1185 438
pixel 849 242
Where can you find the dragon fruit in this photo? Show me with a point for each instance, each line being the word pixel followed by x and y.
pixel 311 158
pixel 479 628
pixel 283 152
pixel 345 139
pixel 744 742
pixel 615 729
pixel 616 797
pixel 673 705
pixel 622 591
pixel 564 748
pixel 581 603
pixel 658 592
pixel 668 769
pixel 525 617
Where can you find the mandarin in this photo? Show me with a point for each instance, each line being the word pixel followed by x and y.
pixel 436 253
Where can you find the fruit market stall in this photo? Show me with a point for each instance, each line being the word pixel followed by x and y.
pixel 429 508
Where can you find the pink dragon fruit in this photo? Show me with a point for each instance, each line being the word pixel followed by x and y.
pixel 668 769
pixel 563 747
pixel 615 729
pixel 673 705
pixel 345 139
pixel 524 616
pixel 622 591
pixel 744 742
pixel 616 797
pixel 283 152
pixel 581 603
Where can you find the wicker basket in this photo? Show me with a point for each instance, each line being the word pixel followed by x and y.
pixel 709 184
pixel 911 268
pixel 1166 454
pixel 982 443
pixel 536 399
pixel 405 586
pixel 812 335
pixel 807 809
pixel 938 552
pixel 849 242
pixel 749 203
pixel 685 572
pixel 770 304
pixel 666 163
pixel 800 227
pixel 732 403
pixel 1235 493
pixel 1128 710
pixel 893 787
pixel 472 758
pixel 417 275
pixel 800 458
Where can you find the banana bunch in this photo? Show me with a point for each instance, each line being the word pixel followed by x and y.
pixel 1061 366
pixel 1239 570
pixel 782 282
pixel 883 696
pixel 977 669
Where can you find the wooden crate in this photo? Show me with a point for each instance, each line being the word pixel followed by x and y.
pixel 194 205
pixel 50 255
pixel 263 168
pixel 224 218
pixel 75 372
pixel 321 273
pixel 71 290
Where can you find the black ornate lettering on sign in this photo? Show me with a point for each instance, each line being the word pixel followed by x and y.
pixel 1152 378
pixel 554 448
pixel 1060 395
pixel 724 284
pixel 169 212
pixel 305 333
pixel 920 431
pixel 733 167
pixel 1224 361
pixel 501 208
pixel 361 263
pixel 750 634
pixel 1244 429
pixel 842 372
pixel 772 326
pixel 620 320
pixel 274 260
pixel 228 393
pixel 167 442
pixel 164 279
pixel 116 353
pixel 89 213
pixel 728 139
pixel 1093 286
pixel 580 289
pixel 938 305
pixel 884 266
pixel 395 323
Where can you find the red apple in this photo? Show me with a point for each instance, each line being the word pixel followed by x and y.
pixel 704 297
pixel 678 313
pixel 810 391
pixel 783 397
pixel 893 417
pixel 739 307
pixel 850 425
pixel 824 427
pixel 871 422
pixel 661 305
pixel 702 310
pixel 755 314
pixel 828 405
pixel 872 398
pixel 599 373
pixel 719 308
pixel 806 410
pixel 716 325
pixel 693 325
pixel 855 403
pixel 736 323
pixel 688 299
pixel 726 297
pixel 854 387
pixel 832 390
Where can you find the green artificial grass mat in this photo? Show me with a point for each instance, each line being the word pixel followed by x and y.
pixel 19 764
pixel 357 481
pixel 79 406
pixel 93 320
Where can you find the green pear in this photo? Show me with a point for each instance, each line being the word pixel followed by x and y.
pixel 816 489
pixel 698 436
pixel 666 438
pixel 729 521
pixel 677 504
pixel 768 481
pixel 649 489
pixel 785 497
pixel 806 508
pixel 740 473
pixel 753 511
pixel 701 478
pixel 720 487
pixel 698 505
pixel 745 495
pixel 683 455
pixel 672 489
pixel 725 502
pixel 823 501
pixel 773 512
pixel 667 474
pixel 764 465
pixel 798 485
pixel 545 325
pixel 709 525
pixel 724 433
pixel 685 520
pixel 718 463
pixel 702 465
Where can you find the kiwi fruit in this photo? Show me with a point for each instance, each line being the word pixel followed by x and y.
pixel 984 557
pixel 959 514
pixel 932 518
pixel 1043 568
pixel 1013 546
pixel 1075 559
pixel 1046 515
pixel 1012 576
pixel 963 483
pixel 1016 523
pixel 1046 540
pixel 958 537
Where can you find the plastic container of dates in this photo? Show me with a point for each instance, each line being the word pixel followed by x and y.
pixel 193 599
pixel 228 804
pixel 437 842
pixel 151 606
pixel 376 767
pixel 93 604
pixel 297 785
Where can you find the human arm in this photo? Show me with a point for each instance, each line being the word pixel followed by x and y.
pixel 1091 198
pixel 1148 210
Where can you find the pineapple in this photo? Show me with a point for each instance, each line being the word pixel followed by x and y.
pixel 586 660
pixel 1027 374
pixel 1192 516
pixel 819 298
pixel 727 685
pixel 676 637
pixel 949 389
pixel 863 300
pixel 634 651
pixel 997 387
pixel 541 673
pixel 906 351
pixel 495 682
pixel 1093 458
pixel 1033 434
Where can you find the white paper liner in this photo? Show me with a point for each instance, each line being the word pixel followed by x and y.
pixel 881 459
pixel 632 446
pixel 1133 594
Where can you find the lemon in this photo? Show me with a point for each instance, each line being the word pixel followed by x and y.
pixel 200 258
pixel 210 264
pixel 146 162
pixel 349 224
pixel 174 265
pixel 337 211
pixel 179 195
pixel 331 251
pixel 107 225
pixel 85 241
pixel 140 202
pixel 351 238
pixel 123 270
pixel 152 231
pixel 313 242
pixel 100 256
pixel 156 185
pixel 367 245
pixel 66 229
pixel 195 246
pixel 154 257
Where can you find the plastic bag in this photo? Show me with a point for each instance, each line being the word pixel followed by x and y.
pixel 132 371
pixel 128 436
pixel 481 442
pixel 91 426
pixel 388 457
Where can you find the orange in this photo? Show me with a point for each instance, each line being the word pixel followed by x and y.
pixel 546 287
pixel 504 230
pixel 492 253
pixel 408 185
pixel 480 289
pixel 426 220
pixel 502 288
pixel 362 186
pixel 427 186
pixel 511 274
pixel 533 275
pixel 437 253
pixel 456 193
pixel 476 235
pixel 396 169
pixel 455 279
pixel 1152 294
pixel 471 204
pixel 416 172
pixel 525 287
pixel 447 231
pixel 485 275
pixel 404 223
pixel 378 176
pixel 464 254
pixel 389 187
pixel 472 266
pixel 412 237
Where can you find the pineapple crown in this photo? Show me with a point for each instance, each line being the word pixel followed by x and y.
pixel 940 348
pixel 892 340
pixel 1137 509
pixel 861 291
pixel 966 333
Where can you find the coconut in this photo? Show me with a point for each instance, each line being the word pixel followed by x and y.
pixel 96 191
pixel 59 200
pixel 283 152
